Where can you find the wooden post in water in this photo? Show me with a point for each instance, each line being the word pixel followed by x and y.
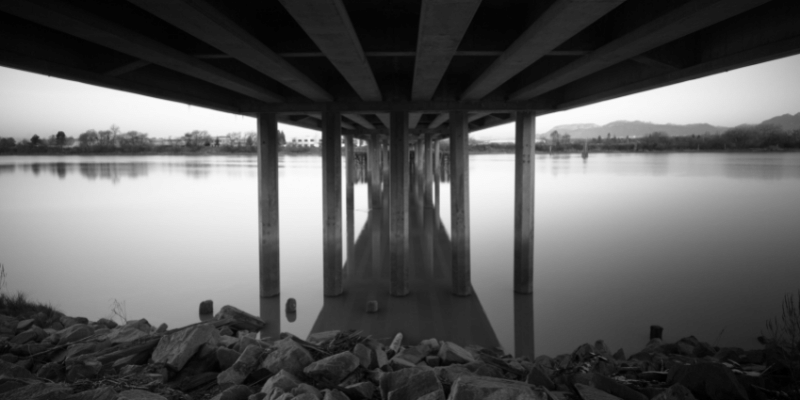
pixel 332 203
pixel 459 200
pixel 524 179
pixel 374 160
pixel 268 228
pixel 427 191
pixel 398 204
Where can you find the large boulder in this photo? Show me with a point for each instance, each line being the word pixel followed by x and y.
pixel 479 387
pixel 101 393
pixel 176 349
pixel 226 357
pixel 11 370
pixel 334 368
pixel 74 333
pixel 239 319
pixel 410 383
pixel 247 362
pixel 283 381
pixel 289 356
pixel 236 392
pixel 130 332
pixel 137 394
pixel 34 333
pixel 39 391
pixel 708 381
pixel 451 353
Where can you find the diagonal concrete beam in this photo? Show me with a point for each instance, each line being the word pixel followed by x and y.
pixel 442 24
pixel 327 23
pixel 203 21
pixel 71 20
pixel 559 22
pixel 689 18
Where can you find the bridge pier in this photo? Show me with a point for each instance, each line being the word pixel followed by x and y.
pixel 427 190
pixel 332 203
pixel 350 169
pixel 374 172
pixel 459 200
pixel 268 217
pixel 398 203
pixel 524 175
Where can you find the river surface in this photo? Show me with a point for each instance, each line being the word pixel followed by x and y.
pixel 701 244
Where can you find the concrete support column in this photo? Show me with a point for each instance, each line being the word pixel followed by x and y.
pixel 268 218
pixel 459 202
pixel 332 203
pixel 427 191
pixel 524 168
pixel 437 161
pixel 398 204
pixel 374 168
pixel 350 167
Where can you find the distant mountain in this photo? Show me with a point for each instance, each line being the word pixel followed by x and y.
pixel 788 122
pixel 623 129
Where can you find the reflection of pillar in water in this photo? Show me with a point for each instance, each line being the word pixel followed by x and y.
pixel 376 245
pixel 270 312
pixel 523 325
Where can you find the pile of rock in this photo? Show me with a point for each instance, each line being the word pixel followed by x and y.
pixel 225 359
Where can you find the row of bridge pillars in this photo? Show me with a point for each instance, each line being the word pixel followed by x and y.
pixel 388 172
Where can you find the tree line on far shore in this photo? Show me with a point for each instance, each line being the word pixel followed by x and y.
pixel 765 137
pixel 113 140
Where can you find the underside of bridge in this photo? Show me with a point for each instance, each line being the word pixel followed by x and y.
pixel 400 74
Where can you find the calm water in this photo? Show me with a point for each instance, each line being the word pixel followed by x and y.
pixel 698 243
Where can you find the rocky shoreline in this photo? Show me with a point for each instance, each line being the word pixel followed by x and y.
pixel 224 358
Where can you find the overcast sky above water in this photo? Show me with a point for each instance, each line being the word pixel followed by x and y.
pixel 36 104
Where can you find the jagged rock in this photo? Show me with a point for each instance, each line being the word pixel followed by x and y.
pixel 449 374
pixel 334 395
pixel 56 325
pixel 207 307
pixel 590 393
pixel 239 319
pixel 39 391
pixel 162 328
pixel 226 357
pixel 52 371
pixel 8 357
pixel 24 325
pixel 74 332
pixel 289 356
pixel 364 354
pixel 68 321
pixel 433 361
pixel 130 332
pixel 227 340
pixel 136 394
pixel 675 392
pixel 12 370
pixel 134 370
pixel 236 392
pixel 305 388
pixel 101 393
pixel 478 387
pixel 244 366
pixel 257 396
pixel 539 377
pixel 283 380
pixel 334 368
pixel 110 324
pixel 247 341
pixel 451 353
pixel 394 347
pixel 410 383
pixel 191 382
pixel 134 359
pixel 176 349
pixel 398 363
pixel 305 396
pixel 8 326
pixel 615 388
pixel 34 334
pixel 364 389
pixel 620 355
pixel 86 370
pixel 413 354
pixel 708 380
pixel 690 346
pixel 319 338
pixel 79 349
pixel 29 349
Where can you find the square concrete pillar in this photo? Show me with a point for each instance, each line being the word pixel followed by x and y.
pixel 332 203
pixel 398 203
pixel 268 217
pixel 524 168
pixel 459 203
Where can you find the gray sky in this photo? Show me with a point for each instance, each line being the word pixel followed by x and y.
pixel 36 104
